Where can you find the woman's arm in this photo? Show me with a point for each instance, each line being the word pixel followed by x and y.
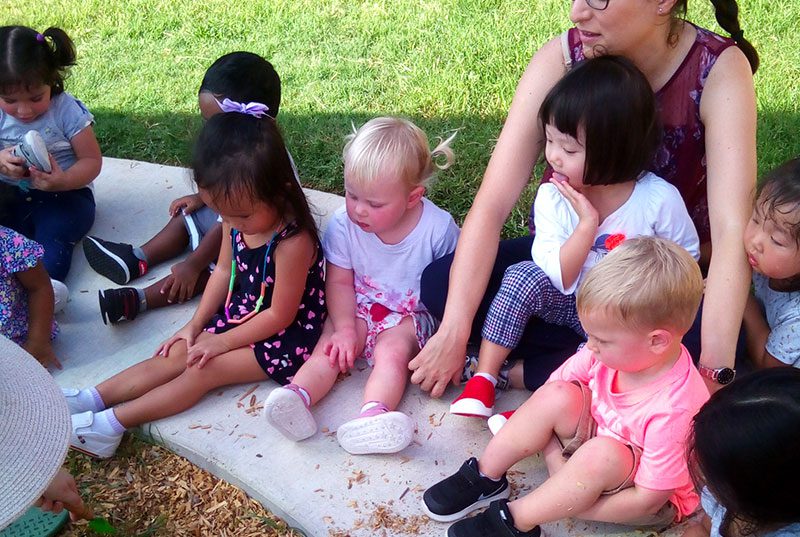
pixel 40 314
pixel 728 112
pixel 80 174
pixel 508 173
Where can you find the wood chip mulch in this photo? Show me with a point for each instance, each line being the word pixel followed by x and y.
pixel 147 491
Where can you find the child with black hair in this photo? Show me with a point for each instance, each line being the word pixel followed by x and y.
pixel 743 456
pixel 601 131
pixel 772 245
pixel 54 208
pixel 263 307
pixel 236 81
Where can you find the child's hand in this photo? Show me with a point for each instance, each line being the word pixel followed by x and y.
pixel 47 181
pixel 341 349
pixel 43 352
pixel 10 165
pixel 185 205
pixel 204 350
pixel 584 208
pixel 188 333
pixel 179 286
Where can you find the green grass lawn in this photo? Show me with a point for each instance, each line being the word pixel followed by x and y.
pixel 446 64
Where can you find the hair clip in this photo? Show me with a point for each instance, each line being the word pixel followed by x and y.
pixel 257 110
pixel 40 38
pixel 737 36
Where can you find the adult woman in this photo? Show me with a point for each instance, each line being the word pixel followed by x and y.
pixel 692 71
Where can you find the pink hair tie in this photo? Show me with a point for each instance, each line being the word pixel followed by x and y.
pixel 40 38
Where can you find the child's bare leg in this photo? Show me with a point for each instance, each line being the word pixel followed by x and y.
pixel 317 376
pixel 288 409
pixel 144 376
pixel 555 408
pixel 491 357
pixel 380 429
pixel 600 464
pixel 185 390
pixel 170 242
pixel 393 350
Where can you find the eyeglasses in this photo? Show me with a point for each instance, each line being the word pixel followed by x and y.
pixel 599 5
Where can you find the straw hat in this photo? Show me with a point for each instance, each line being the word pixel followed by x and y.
pixel 34 430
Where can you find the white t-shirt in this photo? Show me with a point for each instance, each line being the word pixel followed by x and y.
pixel 654 208
pixel 389 274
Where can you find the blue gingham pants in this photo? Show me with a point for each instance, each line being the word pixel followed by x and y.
pixel 527 292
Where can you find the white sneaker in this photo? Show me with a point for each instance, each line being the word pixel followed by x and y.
pixel 60 294
pixel 286 411
pixel 33 149
pixel 74 404
pixel 388 432
pixel 87 440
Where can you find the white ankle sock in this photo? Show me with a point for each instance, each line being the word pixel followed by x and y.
pixel 106 422
pixel 89 398
pixel 488 377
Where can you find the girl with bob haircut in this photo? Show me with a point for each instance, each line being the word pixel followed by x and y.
pixel 743 456
pixel 601 132
pixel 376 247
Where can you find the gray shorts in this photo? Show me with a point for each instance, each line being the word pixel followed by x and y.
pixel 198 224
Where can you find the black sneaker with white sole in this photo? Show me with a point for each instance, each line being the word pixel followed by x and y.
pixel 494 522
pixel 463 492
pixel 114 260
pixel 118 304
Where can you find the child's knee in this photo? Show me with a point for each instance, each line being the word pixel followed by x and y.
pixel 603 455
pixel 559 393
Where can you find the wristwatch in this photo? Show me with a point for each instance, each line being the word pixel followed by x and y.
pixel 721 375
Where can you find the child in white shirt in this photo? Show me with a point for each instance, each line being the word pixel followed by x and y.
pixel 376 249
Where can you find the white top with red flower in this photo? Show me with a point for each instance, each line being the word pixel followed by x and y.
pixel 655 208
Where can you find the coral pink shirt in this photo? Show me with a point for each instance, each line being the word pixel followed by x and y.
pixel 655 417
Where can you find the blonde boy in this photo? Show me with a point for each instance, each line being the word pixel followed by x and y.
pixel 611 421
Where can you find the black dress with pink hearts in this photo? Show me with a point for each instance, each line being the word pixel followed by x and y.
pixel 282 354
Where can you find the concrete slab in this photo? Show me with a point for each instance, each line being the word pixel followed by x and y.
pixel 314 485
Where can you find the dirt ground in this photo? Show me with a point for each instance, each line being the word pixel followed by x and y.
pixel 145 490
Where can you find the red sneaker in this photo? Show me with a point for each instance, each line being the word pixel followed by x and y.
pixel 477 399
pixel 497 421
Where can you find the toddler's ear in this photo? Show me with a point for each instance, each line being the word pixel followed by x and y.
pixel 415 196
pixel 661 340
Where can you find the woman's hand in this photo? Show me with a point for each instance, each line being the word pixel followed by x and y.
pixel 342 348
pixel 62 493
pixel 10 165
pixel 583 207
pixel 205 349
pixel 185 205
pixel 180 284
pixel 439 362
pixel 42 351
pixel 188 333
